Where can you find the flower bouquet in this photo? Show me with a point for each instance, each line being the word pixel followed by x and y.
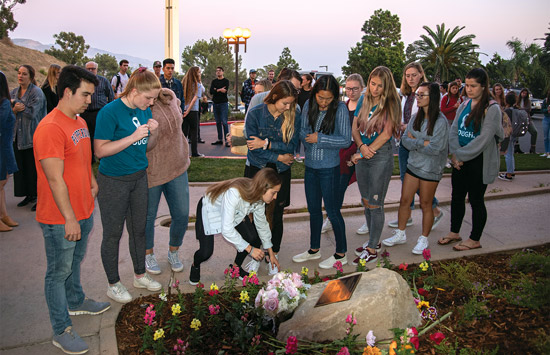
pixel 282 294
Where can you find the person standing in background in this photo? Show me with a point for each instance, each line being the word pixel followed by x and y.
pixel 49 87
pixel 218 90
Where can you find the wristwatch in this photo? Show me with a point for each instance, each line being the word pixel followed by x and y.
pixel 266 143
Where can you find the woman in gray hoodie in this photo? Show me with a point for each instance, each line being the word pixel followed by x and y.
pixel 426 139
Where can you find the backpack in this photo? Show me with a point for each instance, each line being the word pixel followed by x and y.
pixel 118 83
pixel 506 125
pixel 520 121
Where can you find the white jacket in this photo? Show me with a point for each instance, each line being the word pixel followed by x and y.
pixel 228 211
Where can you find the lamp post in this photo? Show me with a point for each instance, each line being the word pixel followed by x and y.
pixel 234 37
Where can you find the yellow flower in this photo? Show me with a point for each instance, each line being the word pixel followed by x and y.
pixel 251 273
pixel 424 266
pixel 158 334
pixel 440 289
pixel 422 304
pixel 213 287
pixel 362 262
pixel 195 324
pixel 369 350
pixel 176 309
pixel 305 270
pixel 244 296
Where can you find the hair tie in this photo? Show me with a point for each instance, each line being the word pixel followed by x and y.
pixel 142 69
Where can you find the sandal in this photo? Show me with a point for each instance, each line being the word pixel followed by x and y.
pixel 464 247
pixel 447 240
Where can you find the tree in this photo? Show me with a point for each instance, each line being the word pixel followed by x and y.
pixel 107 65
pixel 499 70
pixel 208 56
pixel 380 45
pixel 262 72
pixel 522 60
pixel 444 55
pixel 7 21
pixel 73 48
pixel 286 61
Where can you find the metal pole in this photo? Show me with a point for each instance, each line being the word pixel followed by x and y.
pixel 236 75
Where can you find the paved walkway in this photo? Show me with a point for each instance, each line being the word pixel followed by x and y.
pixel 518 213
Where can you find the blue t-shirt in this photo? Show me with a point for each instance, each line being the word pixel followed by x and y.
pixel 116 121
pixel 200 92
pixel 364 138
pixel 466 134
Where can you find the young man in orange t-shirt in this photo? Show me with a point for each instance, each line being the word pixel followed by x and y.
pixel 66 192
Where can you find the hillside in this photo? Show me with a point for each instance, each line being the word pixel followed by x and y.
pixel 12 56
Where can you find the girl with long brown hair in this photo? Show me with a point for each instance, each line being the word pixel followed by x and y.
pixel 192 92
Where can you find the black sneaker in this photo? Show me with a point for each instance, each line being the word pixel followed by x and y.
pixel 505 177
pixel 200 140
pixel 194 275
pixel 218 142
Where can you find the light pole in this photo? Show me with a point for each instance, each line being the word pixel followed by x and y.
pixel 234 37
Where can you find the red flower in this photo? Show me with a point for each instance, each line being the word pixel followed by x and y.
pixel 325 279
pixel 414 339
pixel 437 337
pixel 291 345
pixel 422 292
pixel 403 266
pixel 427 254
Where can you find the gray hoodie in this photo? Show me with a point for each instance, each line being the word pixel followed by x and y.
pixel 427 161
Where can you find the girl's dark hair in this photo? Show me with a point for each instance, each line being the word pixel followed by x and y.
pixel 433 109
pixel 324 83
pixel 477 113
pixel 31 71
pixel 4 89
pixel 526 101
pixel 511 99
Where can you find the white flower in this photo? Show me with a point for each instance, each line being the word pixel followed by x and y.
pixel 371 339
pixel 162 296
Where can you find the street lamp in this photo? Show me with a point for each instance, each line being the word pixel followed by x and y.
pixel 234 37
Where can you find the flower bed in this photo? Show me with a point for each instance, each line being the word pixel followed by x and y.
pixel 487 304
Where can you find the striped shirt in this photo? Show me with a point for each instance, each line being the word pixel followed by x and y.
pixel 103 94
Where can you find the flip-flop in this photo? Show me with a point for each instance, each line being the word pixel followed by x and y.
pixel 448 240
pixel 466 248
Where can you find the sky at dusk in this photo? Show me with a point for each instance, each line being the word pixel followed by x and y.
pixel 317 32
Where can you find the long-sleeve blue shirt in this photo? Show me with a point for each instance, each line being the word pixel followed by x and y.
pixel 261 123
pixel 176 86
pixel 325 153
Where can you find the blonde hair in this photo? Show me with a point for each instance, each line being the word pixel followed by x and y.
pixel 251 190
pixel 388 107
pixel 142 80
pixel 51 79
pixel 190 81
pixel 281 90
pixel 406 89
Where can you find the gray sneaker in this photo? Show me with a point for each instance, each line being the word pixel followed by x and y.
pixel 151 264
pixel 394 224
pixel 89 306
pixel 438 219
pixel 69 342
pixel 174 260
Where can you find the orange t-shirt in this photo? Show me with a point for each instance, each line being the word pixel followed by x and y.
pixel 59 136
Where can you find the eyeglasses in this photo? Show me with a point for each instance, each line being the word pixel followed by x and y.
pixel 91 69
pixel 157 66
pixel 352 89
pixel 420 96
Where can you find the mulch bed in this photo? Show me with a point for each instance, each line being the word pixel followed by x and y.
pixel 508 327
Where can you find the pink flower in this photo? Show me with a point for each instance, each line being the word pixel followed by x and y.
pixel 437 337
pixel 214 309
pixel 385 254
pixel 349 318
pixel 176 284
pixel 403 266
pixel 338 266
pixel 343 351
pixel 258 300
pixel 427 254
pixel 291 345
pixel 412 333
pixel 235 272
pixel 271 300
pixel 149 315
pixel 370 338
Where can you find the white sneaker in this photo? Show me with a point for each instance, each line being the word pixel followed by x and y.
pixel 119 293
pixel 364 229
pixel 544 155
pixel 327 226
pixel 151 264
pixel 272 270
pixel 399 237
pixel 305 256
pixel 395 223
pixel 329 263
pixel 421 244
pixel 438 219
pixel 147 282
pixel 252 266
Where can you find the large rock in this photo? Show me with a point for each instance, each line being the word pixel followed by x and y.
pixel 381 301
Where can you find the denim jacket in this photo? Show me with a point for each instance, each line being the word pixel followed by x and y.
pixel 27 120
pixel 260 123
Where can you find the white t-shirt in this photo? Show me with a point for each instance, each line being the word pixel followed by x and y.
pixel 123 81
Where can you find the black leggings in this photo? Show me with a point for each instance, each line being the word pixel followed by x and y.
pixel 206 242
pixel 190 130
pixel 469 180
pixel 282 201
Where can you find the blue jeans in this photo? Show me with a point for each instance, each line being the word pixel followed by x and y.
pixel 509 157
pixel 403 155
pixel 62 286
pixel 320 185
pixel 546 131
pixel 220 114
pixel 176 193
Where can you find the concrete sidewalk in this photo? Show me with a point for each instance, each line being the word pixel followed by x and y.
pixel 518 217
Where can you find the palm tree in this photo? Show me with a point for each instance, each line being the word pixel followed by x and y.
pixel 444 54
pixel 523 55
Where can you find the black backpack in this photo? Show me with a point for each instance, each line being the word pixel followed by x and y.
pixel 519 120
